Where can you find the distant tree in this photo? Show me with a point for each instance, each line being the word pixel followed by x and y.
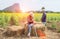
pixel 1 11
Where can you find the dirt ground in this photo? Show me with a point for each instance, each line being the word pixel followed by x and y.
pixel 49 35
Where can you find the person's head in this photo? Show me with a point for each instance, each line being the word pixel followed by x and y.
pixel 31 13
pixel 43 8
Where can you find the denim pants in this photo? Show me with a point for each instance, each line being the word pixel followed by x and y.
pixel 30 28
pixel 44 23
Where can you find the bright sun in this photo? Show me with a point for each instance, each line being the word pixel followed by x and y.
pixel 23 11
pixel 23 8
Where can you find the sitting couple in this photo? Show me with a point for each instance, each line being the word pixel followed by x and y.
pixel 30 20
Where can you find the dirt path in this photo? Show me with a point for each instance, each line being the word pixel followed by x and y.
pixel 49 35
pixel 52 35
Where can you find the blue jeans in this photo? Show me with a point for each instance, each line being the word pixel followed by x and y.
pixel 44 23
pixel 30 28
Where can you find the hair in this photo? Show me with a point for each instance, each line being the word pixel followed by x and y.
pixel 31 13
pixel 43 7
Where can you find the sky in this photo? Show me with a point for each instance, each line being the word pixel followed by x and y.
pixel 27 5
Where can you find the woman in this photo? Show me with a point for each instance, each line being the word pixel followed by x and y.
pixel 30 21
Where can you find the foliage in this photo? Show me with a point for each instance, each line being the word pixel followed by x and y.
pixel 6 17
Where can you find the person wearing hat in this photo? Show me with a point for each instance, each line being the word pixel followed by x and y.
pixel 43 19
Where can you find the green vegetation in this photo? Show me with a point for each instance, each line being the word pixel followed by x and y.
pixel 53 17
pixel 5 18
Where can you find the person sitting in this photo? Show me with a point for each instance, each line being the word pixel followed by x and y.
pixel 30 22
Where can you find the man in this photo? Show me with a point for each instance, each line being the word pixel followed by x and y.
pixel 43 16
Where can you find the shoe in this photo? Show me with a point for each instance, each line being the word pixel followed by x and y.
pixel 28 34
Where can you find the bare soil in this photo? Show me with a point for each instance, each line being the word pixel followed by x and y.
pixel 49 35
